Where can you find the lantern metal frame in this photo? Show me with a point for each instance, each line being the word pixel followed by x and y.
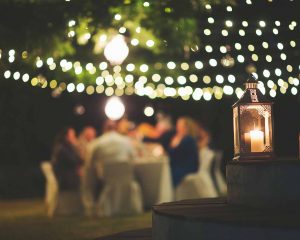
pixel 261 146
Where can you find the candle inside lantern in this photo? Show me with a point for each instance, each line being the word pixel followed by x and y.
pixel 257 141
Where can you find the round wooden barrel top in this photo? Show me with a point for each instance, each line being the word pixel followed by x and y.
pixel 217 210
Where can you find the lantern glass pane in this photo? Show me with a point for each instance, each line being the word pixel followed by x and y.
pixel 256 128
pixel 236 131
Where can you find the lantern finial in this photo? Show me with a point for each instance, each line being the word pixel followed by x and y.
pixel 251 82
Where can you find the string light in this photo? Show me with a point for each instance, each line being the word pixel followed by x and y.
pixel 150 43
pixel 171 65
pixel 231 78
pixel 198 64
pixel 240 58
pixel 134 42
pixel 229 9
pixel 16 75
pixel 224 33
pixel 25 77
pixel 114 108
pixel 80 87
pixel 275 31
pixel 208 6
pixel 70 87
pixel 245 24
pixel 208 48
pixel 118 17
pixel 144 68
pixel 206 79
pixel 219 79
pixel 207 32
pixel 242 32
pixel 294 91
pixel 116 51
pixel 258 32
pixel 266 73
pixel 149 111
pixel 7 74
pixel 223 49
pixel 293 43
pixel 228 23
pixel 197 94
pixel 207 96
pixel 262 23
pixel 130 67
pixel 210 20
pixel 213 62
pixel 120 83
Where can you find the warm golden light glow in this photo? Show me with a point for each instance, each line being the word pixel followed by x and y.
pixel 114 108
pixel 116 51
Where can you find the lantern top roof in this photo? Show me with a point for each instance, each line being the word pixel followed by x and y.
pixel 252 94
pixel 251 79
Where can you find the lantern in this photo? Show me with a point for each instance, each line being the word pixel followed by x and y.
pixel 114 108
pixel 253 124
pixel 116 51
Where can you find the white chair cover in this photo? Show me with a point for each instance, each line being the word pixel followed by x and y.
pixel 199 185
pixel 51 191
pixel 88 189
pixel 220 181
pixel 59 203
pixel 121 194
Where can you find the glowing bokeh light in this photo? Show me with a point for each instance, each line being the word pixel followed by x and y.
pixel 114 108
pixel 116 51
pixel 149 111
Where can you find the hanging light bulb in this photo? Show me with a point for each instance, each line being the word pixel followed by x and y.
pixel 114 108
pixel 149 111
pixel 116 51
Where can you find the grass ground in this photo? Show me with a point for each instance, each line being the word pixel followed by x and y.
pixel 25 219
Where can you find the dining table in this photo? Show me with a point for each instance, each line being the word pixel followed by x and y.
pixel 154 176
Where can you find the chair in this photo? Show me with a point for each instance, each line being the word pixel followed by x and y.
pixel 155 180
pixel 59 202
pixel 121 194
pixel 199 185
pixel 51 191
pixel 219 177
pixel 88 189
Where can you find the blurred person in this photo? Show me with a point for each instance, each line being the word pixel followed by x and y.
pixel 86 136
pixel 124 126
pixel 66 160
pixel 88 182
pixel 211 164
pixel 156 138
pixel 130 130
pixel 204 137
pixel 183 150
pixel 111 146
pixel 146 130
pixel 164 123
pixel 162 132
pixel 181 146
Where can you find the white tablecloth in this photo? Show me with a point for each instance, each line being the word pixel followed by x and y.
pixel 154 177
